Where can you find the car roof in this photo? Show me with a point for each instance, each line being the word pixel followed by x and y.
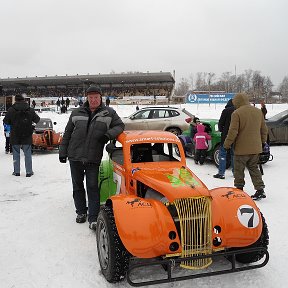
pixel 147 136
pixel 45 119
pixel 160 107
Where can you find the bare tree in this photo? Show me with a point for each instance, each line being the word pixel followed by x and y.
pixel 283 88
pixel 251 82
pixel 225 82
pixel 182 88
pixel 200 81
pixel 248 80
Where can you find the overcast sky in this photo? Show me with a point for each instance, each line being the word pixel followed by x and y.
pixel 58 37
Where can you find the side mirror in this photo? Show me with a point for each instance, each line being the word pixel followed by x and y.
pixel 54 123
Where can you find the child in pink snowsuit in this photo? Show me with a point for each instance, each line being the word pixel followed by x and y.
pixel 201 144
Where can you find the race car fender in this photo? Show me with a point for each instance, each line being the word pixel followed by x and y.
pixel 236 219
pixel 145 226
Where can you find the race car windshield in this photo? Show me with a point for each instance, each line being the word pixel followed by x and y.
pixel 152 152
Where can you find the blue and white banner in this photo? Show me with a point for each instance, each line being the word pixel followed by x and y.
pixel 209 98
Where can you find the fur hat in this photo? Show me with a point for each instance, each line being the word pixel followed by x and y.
pixel 19 98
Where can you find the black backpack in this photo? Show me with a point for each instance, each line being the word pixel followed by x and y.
pixel 22 124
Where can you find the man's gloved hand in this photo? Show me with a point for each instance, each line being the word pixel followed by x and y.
pixel 63 159
pixel 227 149
pixel 104 139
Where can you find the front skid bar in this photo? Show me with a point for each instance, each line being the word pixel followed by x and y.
pixel 171 263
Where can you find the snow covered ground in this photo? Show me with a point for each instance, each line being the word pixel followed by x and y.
pixel 41 245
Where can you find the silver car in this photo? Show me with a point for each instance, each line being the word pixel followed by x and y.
pixel 175 120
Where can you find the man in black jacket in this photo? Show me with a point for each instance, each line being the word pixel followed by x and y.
pixel 88 129
pixel 21 117
pixel 223 126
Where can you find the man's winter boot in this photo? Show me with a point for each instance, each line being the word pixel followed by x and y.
pixel 219 176
pixel 260 194
pixel 81 218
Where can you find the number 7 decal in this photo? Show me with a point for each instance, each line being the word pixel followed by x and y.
pixel 247 216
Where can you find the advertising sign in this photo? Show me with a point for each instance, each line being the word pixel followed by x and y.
pixel 209 98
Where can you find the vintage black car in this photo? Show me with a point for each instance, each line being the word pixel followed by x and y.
pixel 278 128
pixel 44 124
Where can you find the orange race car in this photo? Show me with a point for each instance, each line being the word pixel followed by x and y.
pixel 44 137
pixel 157 214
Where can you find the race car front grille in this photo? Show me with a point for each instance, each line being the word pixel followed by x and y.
pixel 194 215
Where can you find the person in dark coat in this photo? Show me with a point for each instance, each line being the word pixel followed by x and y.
pixel 223 126
pixel 17 140
pixel 88 129
pixel 63 109
pixel 107 101
pixel 248 133
pixel 193 126
pixel 67 102
pixel 263 109
pixel 33 103
pixel 58 103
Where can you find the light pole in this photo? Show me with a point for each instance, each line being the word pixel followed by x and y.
pixel 210 76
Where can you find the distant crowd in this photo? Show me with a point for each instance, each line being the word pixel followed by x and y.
pixel 78 91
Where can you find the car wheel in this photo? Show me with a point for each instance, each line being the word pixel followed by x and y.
pixel 113 257
pixel 174 130
pixel 216 154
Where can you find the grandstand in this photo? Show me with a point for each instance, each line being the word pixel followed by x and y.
pixel 117 86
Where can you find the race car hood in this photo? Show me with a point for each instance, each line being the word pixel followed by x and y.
pixel 173 183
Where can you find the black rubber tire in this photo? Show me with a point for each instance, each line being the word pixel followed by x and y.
pixel 174 130
pixel 113 257
pixel 216 154
pixel 263 241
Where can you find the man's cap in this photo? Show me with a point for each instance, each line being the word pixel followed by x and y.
pixel 94 89
pixel 19 98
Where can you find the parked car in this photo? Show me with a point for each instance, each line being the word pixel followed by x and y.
pixel 278 128
pixel 44 137
pixel 211 127
pixel 156 212
pixel 167 118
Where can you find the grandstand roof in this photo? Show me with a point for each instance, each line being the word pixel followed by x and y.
pixel 100 79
